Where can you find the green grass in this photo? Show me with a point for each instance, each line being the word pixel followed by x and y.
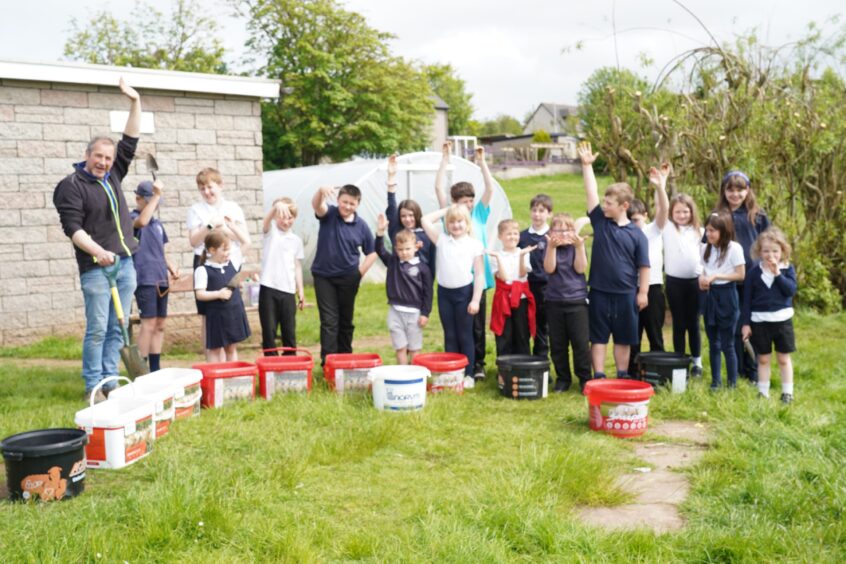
pixel 566 190
pixel 471 478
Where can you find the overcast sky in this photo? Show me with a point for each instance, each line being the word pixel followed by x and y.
pixel 509 53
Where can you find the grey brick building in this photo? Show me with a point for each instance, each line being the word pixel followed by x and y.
pixel 48 112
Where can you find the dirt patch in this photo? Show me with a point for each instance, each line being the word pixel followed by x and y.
pixel 658 488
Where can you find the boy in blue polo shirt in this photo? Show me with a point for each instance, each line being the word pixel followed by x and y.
pixel 151 269
pixel 619 270
pixel 336 271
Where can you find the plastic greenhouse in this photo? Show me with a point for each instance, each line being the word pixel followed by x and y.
pixel 416 180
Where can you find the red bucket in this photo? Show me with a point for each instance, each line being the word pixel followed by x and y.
pixel 447 371
pixel 282 374
pixel 347 372
pixel 226 382
pixel 619 407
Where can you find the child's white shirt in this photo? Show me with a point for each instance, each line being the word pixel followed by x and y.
pixel 201 277
pixel 202 213
pixel 280 253
pixel 734 258
pixel 508 263
pixel 454 260
pixel 682 250
pixel 656 252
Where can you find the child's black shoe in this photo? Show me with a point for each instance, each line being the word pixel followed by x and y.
pixel 786 398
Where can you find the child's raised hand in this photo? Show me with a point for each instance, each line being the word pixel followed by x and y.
pixel 157 188
pixel 666 170
pixel 282 210
pixel 473 308
pixel 654 177
pixel 480 154
pixel 586 154
pixel 446 150
pixel 772 265
pixel 422 321
pixel 527 250
pixel 225 293
pixel 381 224
pixel 392 165
pixel 328 192
pixel 554 241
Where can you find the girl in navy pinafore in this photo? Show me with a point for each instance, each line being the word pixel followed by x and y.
pixel 226 319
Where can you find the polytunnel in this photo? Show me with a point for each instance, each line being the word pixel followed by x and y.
pixel 415 178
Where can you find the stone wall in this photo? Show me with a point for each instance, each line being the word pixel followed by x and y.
pixel 44 128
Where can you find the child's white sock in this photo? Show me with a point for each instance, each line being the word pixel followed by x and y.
pixel 697 361
pixel 764 388
pixel 787 388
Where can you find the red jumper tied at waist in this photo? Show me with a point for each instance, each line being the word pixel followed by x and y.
pixel 506 298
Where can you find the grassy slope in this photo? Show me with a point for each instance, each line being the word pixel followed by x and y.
pixel 470 478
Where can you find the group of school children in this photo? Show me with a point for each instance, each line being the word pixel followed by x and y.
pixel 538 276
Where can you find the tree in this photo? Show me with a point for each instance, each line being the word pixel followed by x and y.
pixel 345 94
pixel 446 84
pixel 502 124
pixel 184 40
pixel 541 136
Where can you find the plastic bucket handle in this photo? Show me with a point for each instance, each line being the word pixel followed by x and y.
pixel 288 349
pixel 100 385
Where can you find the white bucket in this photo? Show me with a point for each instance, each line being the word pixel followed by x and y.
pixel 187 391
pixel 120 430
pixel 399 387
pixel 160 391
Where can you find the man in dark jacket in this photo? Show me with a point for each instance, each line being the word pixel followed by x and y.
pixel 94 214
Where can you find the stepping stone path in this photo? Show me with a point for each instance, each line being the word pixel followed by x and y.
pixel 659 491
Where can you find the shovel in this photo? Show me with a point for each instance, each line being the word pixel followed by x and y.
pixel 135 365
pixel 152 165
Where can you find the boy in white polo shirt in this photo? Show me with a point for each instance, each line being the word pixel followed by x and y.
pixel 281 292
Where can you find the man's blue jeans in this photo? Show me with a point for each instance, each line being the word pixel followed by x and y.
pixel 103 337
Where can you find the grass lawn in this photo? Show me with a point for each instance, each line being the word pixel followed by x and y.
pixel 471 478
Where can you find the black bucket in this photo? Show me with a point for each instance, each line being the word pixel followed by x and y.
pixel 523 376
pixel 657 368
pixel 48 464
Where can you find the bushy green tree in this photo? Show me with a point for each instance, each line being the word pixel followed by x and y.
pixel 452 90
pixel 345 93
pixel 541 136
pixel 502 124
pixel 183 40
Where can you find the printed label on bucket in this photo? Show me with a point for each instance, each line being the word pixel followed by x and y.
pixel 140 441
pixel 404 395
pixel 620 418
pixel 189 397
pixel 448 381
pixel 228 390
pixel 286 381
pixel 352 380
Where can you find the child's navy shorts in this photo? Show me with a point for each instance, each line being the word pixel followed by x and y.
pixel 769 333
pixel 151 302
pixel 613 315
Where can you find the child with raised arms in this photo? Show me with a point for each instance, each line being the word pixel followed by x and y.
pixel 281 291
pixel 619 270
pixel 723 267
pixel 767 315
pixel 406 215
pixel 461 279
pixel 226 320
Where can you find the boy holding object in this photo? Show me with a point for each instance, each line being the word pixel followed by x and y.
pixel 619 272
pixel 536 236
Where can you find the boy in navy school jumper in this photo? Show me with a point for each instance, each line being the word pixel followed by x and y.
pixel 409 288
pixel 619 270
pixel 463 193
pixel 152 266
pixel 535 235
pixel 336 271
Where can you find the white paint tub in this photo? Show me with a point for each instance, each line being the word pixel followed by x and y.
pixel 160 392
pixel 399 387
pixel 187 390
pixel 120 430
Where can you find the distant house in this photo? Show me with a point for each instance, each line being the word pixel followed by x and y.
pixel 440 125
pixel 551 118
pixel 516 148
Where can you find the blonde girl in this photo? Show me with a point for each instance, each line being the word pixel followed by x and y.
pixel 461 279
pixel 767 314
